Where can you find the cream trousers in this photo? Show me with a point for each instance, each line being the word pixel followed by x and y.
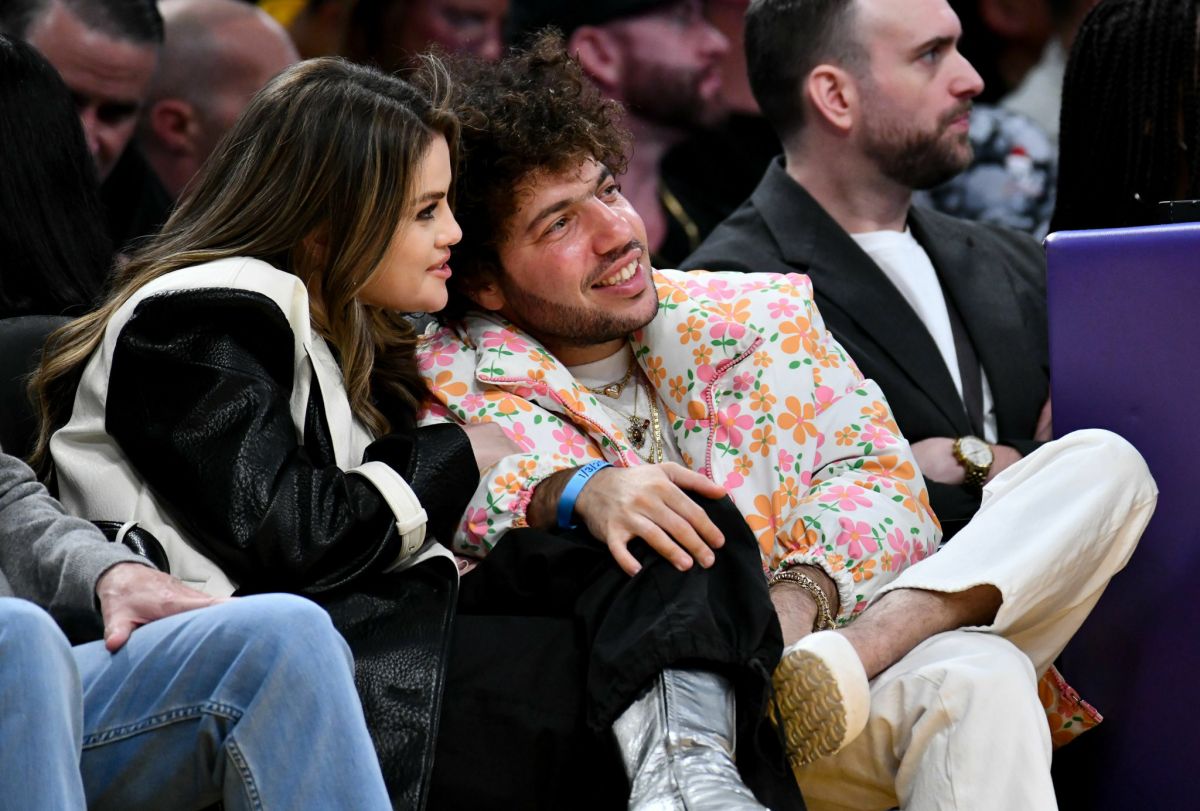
pixel 957 724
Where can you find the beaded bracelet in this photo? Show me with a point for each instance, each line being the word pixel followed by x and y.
pixel 824 618
pixel 570 493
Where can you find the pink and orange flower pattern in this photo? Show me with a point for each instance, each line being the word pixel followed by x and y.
pixel 760 399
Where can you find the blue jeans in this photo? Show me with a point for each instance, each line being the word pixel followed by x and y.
pixel 251 702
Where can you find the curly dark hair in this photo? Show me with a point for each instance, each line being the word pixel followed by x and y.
pixel 535 111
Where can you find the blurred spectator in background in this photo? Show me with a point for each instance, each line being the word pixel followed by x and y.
pixel 729 17
pixel 317 27
pixel 735 153
pixel 56 253
pixel 216 55
pixel 106 52
pixel 390 33
pixel 1003 40
pixel 1039 95
pixel 1130 114
pixel 662 60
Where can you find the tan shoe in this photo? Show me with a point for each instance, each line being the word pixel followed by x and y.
pixel 822 698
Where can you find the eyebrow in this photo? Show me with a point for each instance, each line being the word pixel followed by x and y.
pixel 567 202
pixel 936 43
pixel 430 196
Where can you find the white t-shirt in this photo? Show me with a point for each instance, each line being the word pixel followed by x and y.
pixel 908 267
pixel 610 370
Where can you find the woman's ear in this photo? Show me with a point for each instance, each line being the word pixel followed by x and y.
pixel 315 247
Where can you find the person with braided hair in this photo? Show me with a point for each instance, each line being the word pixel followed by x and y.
pixel 1130 134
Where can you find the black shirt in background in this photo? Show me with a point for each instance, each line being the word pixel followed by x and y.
pixel 710 175
pixel 135 203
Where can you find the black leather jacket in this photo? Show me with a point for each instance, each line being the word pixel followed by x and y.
pixel 199 400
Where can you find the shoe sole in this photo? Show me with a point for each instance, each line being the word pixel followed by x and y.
pixel 812 706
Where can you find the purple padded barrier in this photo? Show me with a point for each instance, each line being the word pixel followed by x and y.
pixel 1124 335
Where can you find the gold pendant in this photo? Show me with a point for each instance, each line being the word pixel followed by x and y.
pixel 637 431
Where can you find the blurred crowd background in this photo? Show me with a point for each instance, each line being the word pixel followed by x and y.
pixel 155 106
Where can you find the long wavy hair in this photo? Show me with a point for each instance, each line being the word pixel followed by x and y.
pixel 328 150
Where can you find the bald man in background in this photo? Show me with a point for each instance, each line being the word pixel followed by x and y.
pixel 216 55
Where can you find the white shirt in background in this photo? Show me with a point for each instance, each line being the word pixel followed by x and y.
pixel 908 267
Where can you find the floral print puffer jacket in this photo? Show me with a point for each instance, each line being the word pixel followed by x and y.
pixel 761 399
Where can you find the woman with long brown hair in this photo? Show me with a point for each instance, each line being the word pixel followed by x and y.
pixel 259 340
pixel 247 392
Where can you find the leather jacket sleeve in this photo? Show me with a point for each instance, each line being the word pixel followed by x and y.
pixel 439 466
pixel 199 400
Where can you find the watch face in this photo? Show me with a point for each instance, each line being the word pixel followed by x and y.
pixel 975 451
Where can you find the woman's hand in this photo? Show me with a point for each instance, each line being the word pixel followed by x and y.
pixel 490 443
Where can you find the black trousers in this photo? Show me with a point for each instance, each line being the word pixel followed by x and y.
pixel 552 641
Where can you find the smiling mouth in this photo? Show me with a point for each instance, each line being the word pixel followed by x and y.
pixel 623 275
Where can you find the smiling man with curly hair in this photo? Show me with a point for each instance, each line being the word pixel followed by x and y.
pixel 678 383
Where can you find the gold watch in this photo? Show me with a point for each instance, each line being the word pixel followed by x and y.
pixel 976 457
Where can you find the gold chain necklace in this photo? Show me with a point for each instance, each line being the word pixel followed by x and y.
pixel 614 390
pixel 656 435
pixel 639 429
pixel 639 425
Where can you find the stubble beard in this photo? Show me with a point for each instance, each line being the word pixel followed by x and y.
pixel 556 324
pixel 919 159
pixel 671 96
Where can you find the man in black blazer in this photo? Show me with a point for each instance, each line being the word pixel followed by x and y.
pixel 852 158
pixel 871 100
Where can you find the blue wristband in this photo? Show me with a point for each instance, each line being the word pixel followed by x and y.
pixel 566 502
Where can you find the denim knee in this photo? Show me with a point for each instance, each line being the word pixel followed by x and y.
pixel 283 623
pixel 27 627
pixel 32 644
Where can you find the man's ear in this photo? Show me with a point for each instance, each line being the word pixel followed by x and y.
pixel 832 96
pixel 486 294
pixel 598 54
pixel 175 125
